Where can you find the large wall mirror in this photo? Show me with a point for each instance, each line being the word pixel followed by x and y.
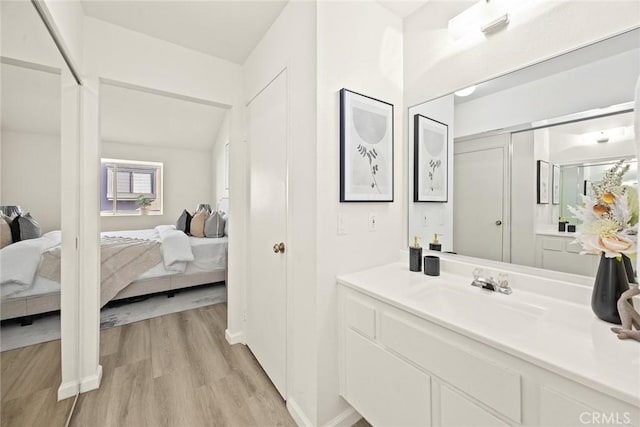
pixel 35 129
pixel 499 163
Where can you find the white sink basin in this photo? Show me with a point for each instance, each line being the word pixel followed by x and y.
pixel 477 307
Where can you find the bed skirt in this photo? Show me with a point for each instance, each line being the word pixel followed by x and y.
pixel 37 304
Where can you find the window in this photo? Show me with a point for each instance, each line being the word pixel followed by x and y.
pixel 124 181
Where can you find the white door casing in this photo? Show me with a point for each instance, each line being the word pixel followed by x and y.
pixel 266 297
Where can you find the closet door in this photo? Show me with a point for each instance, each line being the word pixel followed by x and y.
pixel 266 288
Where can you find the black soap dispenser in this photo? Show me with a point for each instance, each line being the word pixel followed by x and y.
pixel 415 256
pixel 435 245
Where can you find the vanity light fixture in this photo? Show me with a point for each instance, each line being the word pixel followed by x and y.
pixel 496 25
pixel 489 16
pixel 466 91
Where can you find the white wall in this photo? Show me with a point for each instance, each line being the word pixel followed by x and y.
pixel 568 148
pixel 435 64
pixel 359 48
pixel 523 199
pixel 599 84
pixel 218 188
pixel 67 18
pixel 30 165
pixel 425 219
pixel 25 37
pixel 290 43
pixel 126 56
pixel 186 182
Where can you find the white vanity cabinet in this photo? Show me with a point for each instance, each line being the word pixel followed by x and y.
pixel 399 369
pixel 557 251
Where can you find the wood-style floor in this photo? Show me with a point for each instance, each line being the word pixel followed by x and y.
pixel 174 370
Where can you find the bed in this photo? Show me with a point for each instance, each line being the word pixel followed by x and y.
pixel 29 287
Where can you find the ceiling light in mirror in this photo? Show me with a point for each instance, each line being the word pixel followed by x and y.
pixel 622 133
pixel 466 91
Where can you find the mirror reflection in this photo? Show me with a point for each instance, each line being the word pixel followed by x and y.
pixel 30 207
pixel 522 148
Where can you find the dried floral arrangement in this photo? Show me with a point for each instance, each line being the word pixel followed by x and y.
pixel 609 216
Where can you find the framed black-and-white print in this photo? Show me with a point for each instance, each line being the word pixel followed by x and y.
pixel 430 160
pixel 542 182
pixel 555 193
pixel 366 148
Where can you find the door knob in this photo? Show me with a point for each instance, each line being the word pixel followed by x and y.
pixel 278 248
pixel 498 222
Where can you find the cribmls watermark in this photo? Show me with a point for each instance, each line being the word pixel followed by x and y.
pixel 605 418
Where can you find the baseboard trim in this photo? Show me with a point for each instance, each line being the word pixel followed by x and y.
pixel 91 382
pixel 234 338
pixel 68 389
pixel 298 414
pixel 346 418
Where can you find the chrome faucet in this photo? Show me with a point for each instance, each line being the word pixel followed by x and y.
pixel 489 283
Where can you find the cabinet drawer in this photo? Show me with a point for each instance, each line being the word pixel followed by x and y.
pixel 553 245
pixel 361 316
pixel 383 388
pixel 458 411
pixel 480 378
pixel 558 409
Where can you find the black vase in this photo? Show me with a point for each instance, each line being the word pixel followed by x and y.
pixel 611 282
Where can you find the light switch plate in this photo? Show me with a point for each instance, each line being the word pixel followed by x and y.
pixel 342 228
pixel 373 221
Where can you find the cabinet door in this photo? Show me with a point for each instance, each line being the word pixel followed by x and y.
pixel 382 388
pixel 458 411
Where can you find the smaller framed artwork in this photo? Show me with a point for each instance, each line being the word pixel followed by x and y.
pixel 430 160
pixel 366 148
pixel 542 182
pixel 555 194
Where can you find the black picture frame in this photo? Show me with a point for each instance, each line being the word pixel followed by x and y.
pixel 542 182
pixel 366 148
pixel 438 161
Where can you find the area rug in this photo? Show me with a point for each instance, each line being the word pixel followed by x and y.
pixel 47 327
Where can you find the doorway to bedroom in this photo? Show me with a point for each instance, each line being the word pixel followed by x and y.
pixel 163 239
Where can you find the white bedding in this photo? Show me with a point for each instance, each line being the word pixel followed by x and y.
pixel 19 262
pixel 19 278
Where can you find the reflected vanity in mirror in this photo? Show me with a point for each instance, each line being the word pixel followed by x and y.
pixel 522 148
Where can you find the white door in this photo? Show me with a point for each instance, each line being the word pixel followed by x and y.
pixel 266 288
pixel 478 194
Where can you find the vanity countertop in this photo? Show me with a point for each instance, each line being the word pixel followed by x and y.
pixel 559 335
pixel 553 231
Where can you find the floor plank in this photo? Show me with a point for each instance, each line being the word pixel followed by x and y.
pixel 30 377
pixel 173 370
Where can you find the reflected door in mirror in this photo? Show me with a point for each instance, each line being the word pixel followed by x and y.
pixel 479 185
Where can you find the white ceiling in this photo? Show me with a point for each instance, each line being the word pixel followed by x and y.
pixel 137 117
pixel 596 125
pixel 403 8
pixel 30 100
pixel 226 29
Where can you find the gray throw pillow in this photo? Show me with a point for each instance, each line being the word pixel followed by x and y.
pixel 214 225
pixel 184 222
pixel 226 225
pixel 29 227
